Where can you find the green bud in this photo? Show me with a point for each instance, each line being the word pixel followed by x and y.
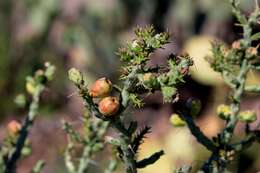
pixel 149 80
pixel 251 52
pixel 50 70
pixel 177 121
pixel 136 46
pixel 20 100
pixel 112 141
pixel 26 151
pixel 30 85
pixel 40 77
pixel 194 106
pixel 168 93
pixel 247 116
pixel 223 111
pixel 75 76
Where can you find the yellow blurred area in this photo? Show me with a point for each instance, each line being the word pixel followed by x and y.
pixel 178 147
pixel 199 47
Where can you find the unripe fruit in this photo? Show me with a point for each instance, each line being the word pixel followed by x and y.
pixel 75 76
pixel 184 70
pixel 40 76
pixel 14 127
pixel 194 106
pixel 236 44
pixel 108 106
pixel 247 116
pixel 223 111
pixel 26 151
pixel 101 88
pixel 176 120
pixel 20 100
pixel 30 87
pixel 251 52
pixel 147 77
pixel 136 46
pixel 150 80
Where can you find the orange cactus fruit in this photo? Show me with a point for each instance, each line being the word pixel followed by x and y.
pixel 109 106
pixel 14 127
pixel 101 88
pixel 236 44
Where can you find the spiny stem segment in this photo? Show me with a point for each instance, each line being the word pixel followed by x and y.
pixel 234 65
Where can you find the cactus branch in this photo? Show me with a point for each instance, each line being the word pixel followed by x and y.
pixel 252 88
pixel 235 106
pixel 198 134
pixel 33 110
pixel 150 160
pixel 113 163
pixel 38 167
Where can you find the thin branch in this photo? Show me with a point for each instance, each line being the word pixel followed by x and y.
pixel 252 88
pixel 38 167
pixel 150 160
pixel 198 134
pixel 113 163
pixel 246 143
pixel 33 110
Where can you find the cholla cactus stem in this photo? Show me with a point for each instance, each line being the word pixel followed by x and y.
pixel 111 166
pixel 68 159
pixel 252 88
pixel 33 110
pixel 85 159
pixel 38 167
pixel 198 134
pixel 235 106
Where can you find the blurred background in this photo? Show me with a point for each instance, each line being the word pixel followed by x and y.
pixel 86 34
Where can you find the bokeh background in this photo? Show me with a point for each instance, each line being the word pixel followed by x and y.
pixel 86 34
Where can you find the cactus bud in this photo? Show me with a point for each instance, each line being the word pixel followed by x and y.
pixel 251 52
pixel 147 77
pixel 75 76
pixel 225 51
pixel 176 121
pixel 113 141
pixel 136 46
pixel 50 70
pixel 30 88
pixel 20 100
pixel 13 127
pixel 236 44
pixel 108 106
pixel 223 111
pixel 184 70
pixel 149 80
pixel 40 76
pixel 194 106
pixel 101 88
pixel 30 85
pixel 247 116
pixel 26 151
